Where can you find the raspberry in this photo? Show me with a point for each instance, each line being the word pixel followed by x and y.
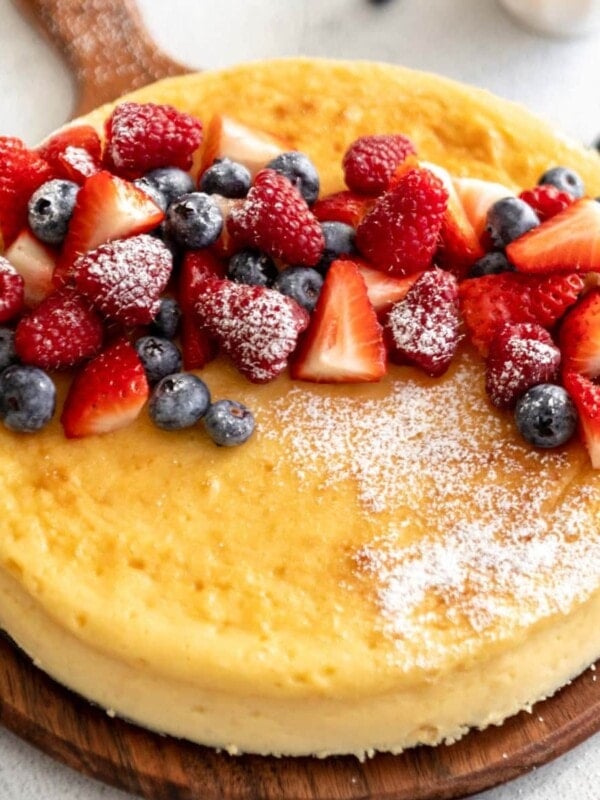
pixel 62 331
pixel 370 162
pixel 124 279
pixel 22 171
pixel 401 233
pixel 546 200
pixel 276 219
pixel 144 136
pixel 521 356
pixel 12 291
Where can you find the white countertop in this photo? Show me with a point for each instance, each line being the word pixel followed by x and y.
pixel 471 40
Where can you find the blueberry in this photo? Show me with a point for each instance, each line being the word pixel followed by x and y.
pixel 300 170
pixel 153 193
pixel 227 178
pixel 339 240
pixel 178 401
pixel 194 221
pixel 252 267
pixel 546 416
pixel 303 284
pixel 229 423
pixel 166 322
pixel 491 264
pixel 27 398
pixel 50 210
pixel 160 357
pixel 508 219
pixel 8 354
pixel 566 180
pixel 171 182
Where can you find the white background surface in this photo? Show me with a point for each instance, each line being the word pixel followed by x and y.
pixel 471 40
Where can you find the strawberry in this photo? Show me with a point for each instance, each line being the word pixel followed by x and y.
pixel 225 246
pixel 22 171
pixel 384 290
pixel 107 208
pixel 62 331
pixel 144 136
pixel 255 326
pixel 488 302
pixel 400 234
pixel 198 347
pixel 586 396
pixel 276 219
pixel 73 153
pixel 546 200
pixel 566 242
pixel 477 196
pixel 580 336
pixel 521 355
pixel 370 161
pixel 227 138
pixel 344 342
pixel 12 291
pixel 35 263
pixel 348 207
pixel 423 329
pixel 107 394
pixel 124 279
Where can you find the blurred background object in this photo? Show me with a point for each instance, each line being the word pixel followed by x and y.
pixel 556 17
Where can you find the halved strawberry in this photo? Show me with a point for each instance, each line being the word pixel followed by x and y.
pixel 107 208
pixel 586 396
pixel 569 241
pixel 11 291
pixel 476 197
pixel 198 347
pixel 253 148
pixel 35 262
pixel 344 343
pixel 74 153
pixel 580 336
pixel 108 393
pixel 383 290
pixel 226 245
pixel 348 207
pixel 488 302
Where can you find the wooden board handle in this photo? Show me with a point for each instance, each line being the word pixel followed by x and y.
pixel 106 44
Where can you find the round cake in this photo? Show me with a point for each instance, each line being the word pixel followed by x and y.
pixel 380 565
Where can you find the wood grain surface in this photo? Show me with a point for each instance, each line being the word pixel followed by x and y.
pixel 162 768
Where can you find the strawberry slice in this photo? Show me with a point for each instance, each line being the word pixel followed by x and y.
pixel 344 343
pixel 35 263
pixel 569 241
pixel 586 396
pixel 108 393
pixel 12 291
pixel 73 153
pixel 477 196
pixel 580 336
pixel 349 207
pixel 198 347
pixel 383 290
pixel 492 300
pixel 107 208
pixel 226 138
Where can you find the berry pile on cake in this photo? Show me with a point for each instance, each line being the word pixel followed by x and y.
pixel 399 322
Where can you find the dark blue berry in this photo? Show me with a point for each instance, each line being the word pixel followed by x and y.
pixel 303 284
pixel 566 180
pixel 171 182
pixel 508 219
pixel 252 267
pixel 27 398
pixel 227 178
pixel 50 210
pixel 8 354
pixel 160 357
pixel 339 241
pixel 194 221
pixel 229 423
pixel 300 171
pixel 546 416
pixel 178 401
pixel 491 264
pixel 153 193
pixel 166 322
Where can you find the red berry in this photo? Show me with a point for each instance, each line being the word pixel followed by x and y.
pixel 423 329
pixel 276 219
pixel 198 347
pixel 62 331
pixel 521 356
pixel 370 162
pixel 144 136
pixel 124 279
pixel 74 153
pixel 546 200
pixel 12 291
pixel 345 207
pixel 401 233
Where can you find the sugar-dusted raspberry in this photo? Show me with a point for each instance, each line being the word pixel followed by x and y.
pixel 144 136
pixel 276 219
pixel 371 161
pixel 401 233
pixel 12 291
pixel 546 200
